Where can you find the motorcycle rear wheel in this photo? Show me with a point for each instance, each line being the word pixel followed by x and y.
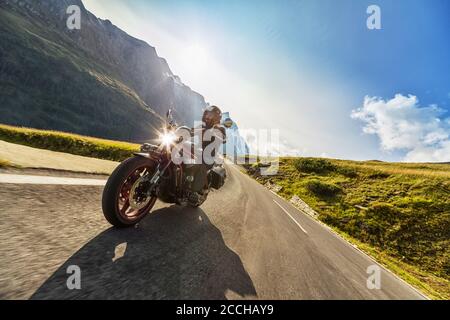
pixel 118 207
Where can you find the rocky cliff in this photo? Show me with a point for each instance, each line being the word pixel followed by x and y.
pixel 95 81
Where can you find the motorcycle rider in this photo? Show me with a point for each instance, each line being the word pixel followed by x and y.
pixel 210 128
pixel 211 120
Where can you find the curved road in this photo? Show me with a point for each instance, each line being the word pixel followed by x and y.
pixel 245 242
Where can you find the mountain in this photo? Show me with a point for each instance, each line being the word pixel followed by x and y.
pixel 235 141
pixel 96 81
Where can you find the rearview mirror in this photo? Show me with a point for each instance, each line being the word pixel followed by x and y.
pixel 228 123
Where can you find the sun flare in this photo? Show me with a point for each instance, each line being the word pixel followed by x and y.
pixel 196 56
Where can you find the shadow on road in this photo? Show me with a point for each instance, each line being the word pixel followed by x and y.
pixel 174 253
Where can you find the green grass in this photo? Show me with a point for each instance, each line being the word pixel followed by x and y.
pixel 398 213
pixel 323 189
pixel 69 143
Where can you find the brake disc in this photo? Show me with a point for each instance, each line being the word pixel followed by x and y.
pixel 138 200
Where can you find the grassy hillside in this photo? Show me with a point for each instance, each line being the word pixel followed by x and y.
pixel 399 213
pixel 69 143
pixel 47 81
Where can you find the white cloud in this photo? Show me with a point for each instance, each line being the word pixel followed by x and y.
pixel 402 124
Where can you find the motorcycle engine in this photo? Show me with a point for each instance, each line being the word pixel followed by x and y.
pixel 195 177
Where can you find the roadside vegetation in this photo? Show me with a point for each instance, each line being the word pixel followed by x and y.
pixel 68 143
pixel 398 213
pixel 4 163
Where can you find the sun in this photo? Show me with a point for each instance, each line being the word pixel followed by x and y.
pixel 196 57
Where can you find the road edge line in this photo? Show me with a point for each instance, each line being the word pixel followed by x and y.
pixel 340 237
pixel 353 246
pixel 290 216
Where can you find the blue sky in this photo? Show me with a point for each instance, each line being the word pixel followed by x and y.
pixel 303 67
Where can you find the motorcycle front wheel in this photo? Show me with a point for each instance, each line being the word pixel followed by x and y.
pixel 125 201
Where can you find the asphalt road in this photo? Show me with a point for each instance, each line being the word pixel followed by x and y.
pixel 245 242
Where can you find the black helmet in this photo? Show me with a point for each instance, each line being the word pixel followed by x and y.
pixel 212 116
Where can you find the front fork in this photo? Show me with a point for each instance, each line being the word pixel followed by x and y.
pixel 155 178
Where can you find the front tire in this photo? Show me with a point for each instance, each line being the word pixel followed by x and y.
pixel 116 194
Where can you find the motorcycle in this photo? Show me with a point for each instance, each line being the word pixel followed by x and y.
pixel 151 174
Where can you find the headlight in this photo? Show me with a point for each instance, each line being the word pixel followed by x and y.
pixel 168 138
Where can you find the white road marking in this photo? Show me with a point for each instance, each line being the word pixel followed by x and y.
pixel 296 222
pixel 338 236
pixel 26 179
